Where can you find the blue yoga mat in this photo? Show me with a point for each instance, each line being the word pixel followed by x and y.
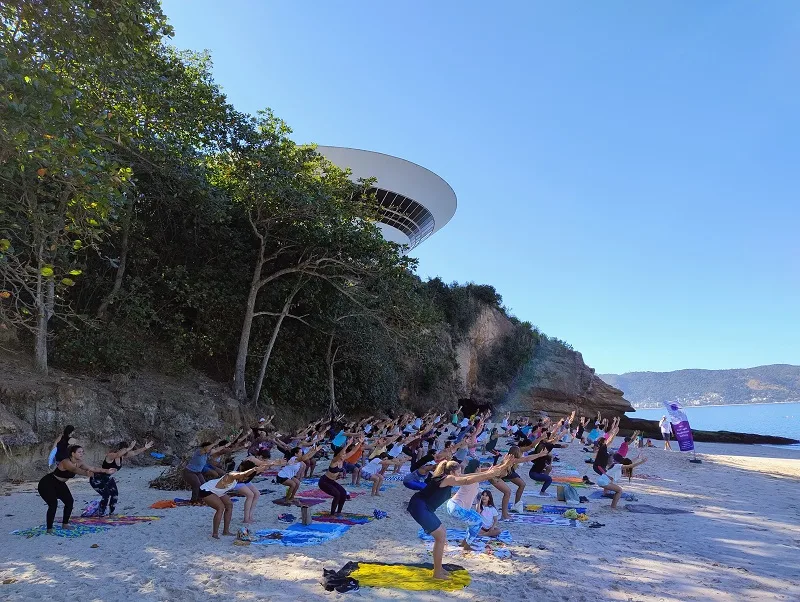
pixel 299 535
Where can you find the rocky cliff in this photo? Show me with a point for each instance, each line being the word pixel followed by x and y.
pixel 556 380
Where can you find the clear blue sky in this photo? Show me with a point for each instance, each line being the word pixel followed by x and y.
pixel 628 173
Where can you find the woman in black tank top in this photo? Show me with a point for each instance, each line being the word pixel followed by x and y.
pixel 53 486
pixel 424 503
pixel 104 484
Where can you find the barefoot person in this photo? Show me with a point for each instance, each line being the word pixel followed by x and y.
pixel 288 474
pixel 610 480
pixel 327 482
pixel 213 493
pixel 423 504
pixel 105 484
pixel 53 485
pixel 460 506
pixel 193 473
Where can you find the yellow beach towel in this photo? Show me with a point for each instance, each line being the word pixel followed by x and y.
pixel 409 576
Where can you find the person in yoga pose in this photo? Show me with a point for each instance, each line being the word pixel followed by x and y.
pixel 423 504
pixel 489 514
pixel 512 458
pixel 288 474
pixel 213 493
pixel 611 478
pixel 105 484
pixel 460 506
pixel 372 472
pixel 53 486
pixel 246 489
pixel 193 473
pixel 327 482
pixel 62 445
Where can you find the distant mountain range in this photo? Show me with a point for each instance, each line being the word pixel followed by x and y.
pixel 763 384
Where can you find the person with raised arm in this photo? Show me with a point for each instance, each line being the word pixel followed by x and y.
pixel 288 474
pixel 104 483
pixel 53 486
pixel 424 503
pixel 193 473
pixel 213 493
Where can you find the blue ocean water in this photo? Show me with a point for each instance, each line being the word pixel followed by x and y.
pixel 779 419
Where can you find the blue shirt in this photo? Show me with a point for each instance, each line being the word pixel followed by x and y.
pixel 340 439
pixel 198 461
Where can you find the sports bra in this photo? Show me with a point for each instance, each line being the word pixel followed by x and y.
pixel 335 469
pixel 107 465
pixel 63 474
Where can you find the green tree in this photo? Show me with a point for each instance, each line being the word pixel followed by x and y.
pixel 60 181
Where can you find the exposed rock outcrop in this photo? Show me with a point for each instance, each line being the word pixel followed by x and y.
pixel 490 326
pixel 558 381
pixel 175 412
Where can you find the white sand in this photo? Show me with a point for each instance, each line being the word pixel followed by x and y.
pixel 742 542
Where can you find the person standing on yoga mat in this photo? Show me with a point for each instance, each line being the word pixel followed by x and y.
pixel 53 486
pixel 288 474
pixel 105 484
pixel 327 482
pixel 423 504
pixel 213 493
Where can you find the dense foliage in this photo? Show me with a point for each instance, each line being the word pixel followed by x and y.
pixel 144 222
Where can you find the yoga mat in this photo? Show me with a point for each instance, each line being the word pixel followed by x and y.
pixel 548 520
pixel 113 521
pixel 648 509
pixel 552 509
pixel 318 493
pixel 412 577
pixel 461 534
pixel 300 535
pixel 75 531
pixel 346 518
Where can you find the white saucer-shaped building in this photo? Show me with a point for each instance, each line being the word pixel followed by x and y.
pixel 415 202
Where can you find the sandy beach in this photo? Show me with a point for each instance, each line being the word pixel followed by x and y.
pixel 740 541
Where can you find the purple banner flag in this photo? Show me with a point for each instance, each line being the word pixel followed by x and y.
pixel 680 426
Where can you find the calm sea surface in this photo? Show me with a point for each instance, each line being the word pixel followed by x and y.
pixel 780 419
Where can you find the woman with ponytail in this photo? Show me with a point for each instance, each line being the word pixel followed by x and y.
pixel 423 504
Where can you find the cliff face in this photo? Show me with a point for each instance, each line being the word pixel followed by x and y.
pixel 556 380
pixel 177 413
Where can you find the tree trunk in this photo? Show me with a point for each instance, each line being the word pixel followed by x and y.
pixel 123 260
pixel 330 359
pixel 265 361
pixel 40 343
pixel 239 384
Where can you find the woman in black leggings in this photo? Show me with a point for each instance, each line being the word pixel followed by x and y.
pixel 53 486
pixel 327 482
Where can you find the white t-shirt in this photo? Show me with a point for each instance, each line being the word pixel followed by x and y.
pixel 615 472
pixel 372 467
pixel 437 420
pixel 291 469
pixel 212 487
pixel 666 427
pixel 367 428
pixel 488 514
pixel 418 423
pixel 464 422
pixel 396 450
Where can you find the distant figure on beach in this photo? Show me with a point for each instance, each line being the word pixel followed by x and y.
pixel 666 431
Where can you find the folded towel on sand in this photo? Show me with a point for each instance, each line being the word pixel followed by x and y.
pixel 300 535
pixel 346 518
pixel 174 503
pixel 74 531
pixel 461 534
pixel 553 509
pixel 113 521
pixel 648 509
pixel 600 495
pixel 549 520
pixel 412 577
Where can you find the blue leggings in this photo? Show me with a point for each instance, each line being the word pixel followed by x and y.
pixel 472 518
pixel 544 478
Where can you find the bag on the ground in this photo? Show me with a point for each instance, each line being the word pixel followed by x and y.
pixel 571 495
pixel 91 509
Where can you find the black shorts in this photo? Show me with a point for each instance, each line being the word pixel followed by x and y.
pixel 281 480
pixel 510 476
